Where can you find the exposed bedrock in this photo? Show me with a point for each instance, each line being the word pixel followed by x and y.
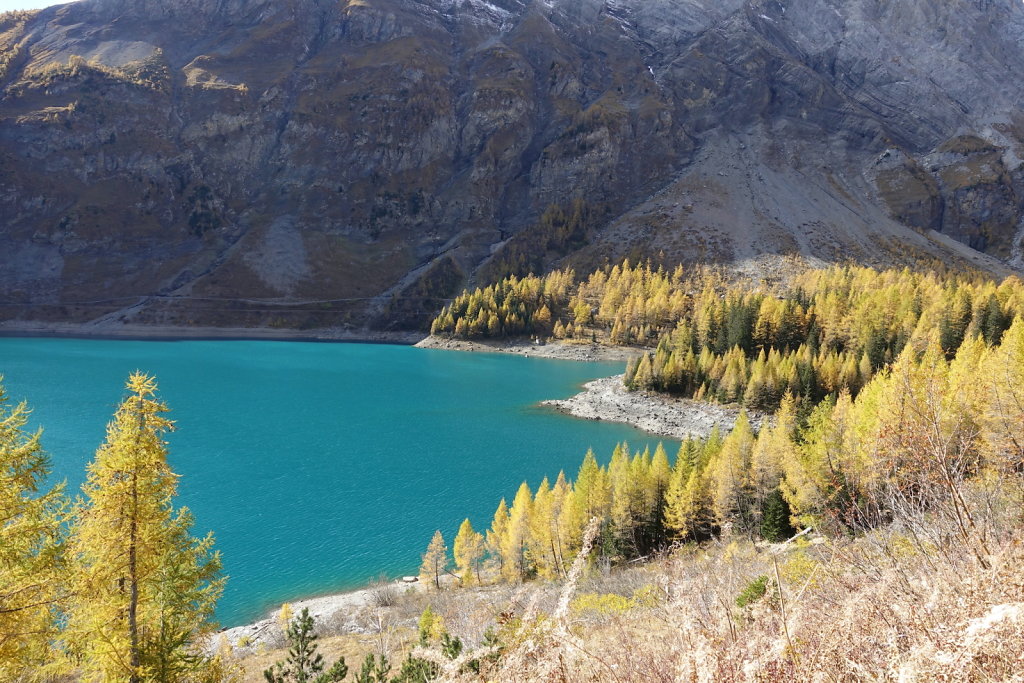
pixel 313 163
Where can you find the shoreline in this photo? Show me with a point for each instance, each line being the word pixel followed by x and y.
pixel 21 329
pixel 605 398
pixel 339 611
pixel 608 399
pixel 557 349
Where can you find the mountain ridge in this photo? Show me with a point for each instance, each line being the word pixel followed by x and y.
pixel 186 164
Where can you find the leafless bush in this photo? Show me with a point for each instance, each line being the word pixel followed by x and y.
pixel 273 637
pixel 384 593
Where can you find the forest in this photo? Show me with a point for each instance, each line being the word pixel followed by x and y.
pixel 927 434
pixel 730 339
pixel 868 531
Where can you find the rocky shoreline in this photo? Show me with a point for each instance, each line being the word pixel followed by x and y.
pixel 560 350
pixel 608 399
pixel 18 328
pixel 339 611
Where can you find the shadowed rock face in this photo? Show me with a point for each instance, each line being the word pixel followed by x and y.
pixel 335 162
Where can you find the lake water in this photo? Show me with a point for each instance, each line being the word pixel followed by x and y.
pixel 320 466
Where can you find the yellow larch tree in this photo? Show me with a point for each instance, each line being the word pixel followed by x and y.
pixel 284 616
pixel 927 448
pixel 142 589
pixel 561 494
pixel 496 536
pixel 656 487
pixel 468 550
pixel 435 561
pixel 591 498
pixel 30 546
pixel 689 511
pixel 729 471
pixel 774 446
pixel 623 494
pixel 698 513
pixel 541 529
pixel 516 562
pixel 1003 434
pixel 811 473
pixel 676 514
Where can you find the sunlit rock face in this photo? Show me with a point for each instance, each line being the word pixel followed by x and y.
pixel 309 163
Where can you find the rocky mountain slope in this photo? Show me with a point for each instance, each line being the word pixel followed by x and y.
pixel 351 163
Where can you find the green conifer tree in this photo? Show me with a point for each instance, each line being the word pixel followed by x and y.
pixel 304 664
pixel 374 670
pixel 775 525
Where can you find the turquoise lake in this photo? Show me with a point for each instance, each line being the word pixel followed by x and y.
pixel 320 466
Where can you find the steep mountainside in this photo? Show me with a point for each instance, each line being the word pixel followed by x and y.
pixel 311 163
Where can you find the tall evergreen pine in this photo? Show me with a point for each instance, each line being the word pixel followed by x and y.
pixel 775 524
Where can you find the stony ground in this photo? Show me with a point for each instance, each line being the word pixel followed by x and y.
pixel 608 399
pixel 562 350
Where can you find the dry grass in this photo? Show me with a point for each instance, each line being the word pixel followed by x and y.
pixel 874 609
pixel 389 626
pixel 353 647
pixel 877 608
pixel 890 605
pixel 150 73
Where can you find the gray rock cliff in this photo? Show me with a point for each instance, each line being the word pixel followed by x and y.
pixel 310 163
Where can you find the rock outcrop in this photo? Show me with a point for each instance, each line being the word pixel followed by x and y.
pixel 308 163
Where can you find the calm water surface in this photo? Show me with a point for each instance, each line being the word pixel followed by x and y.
pixel 320 466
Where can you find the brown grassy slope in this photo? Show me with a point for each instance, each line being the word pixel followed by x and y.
pixel 889 605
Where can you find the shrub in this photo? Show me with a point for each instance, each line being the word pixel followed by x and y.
pixel 383 593
pixel 754 591
pixel 601 603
